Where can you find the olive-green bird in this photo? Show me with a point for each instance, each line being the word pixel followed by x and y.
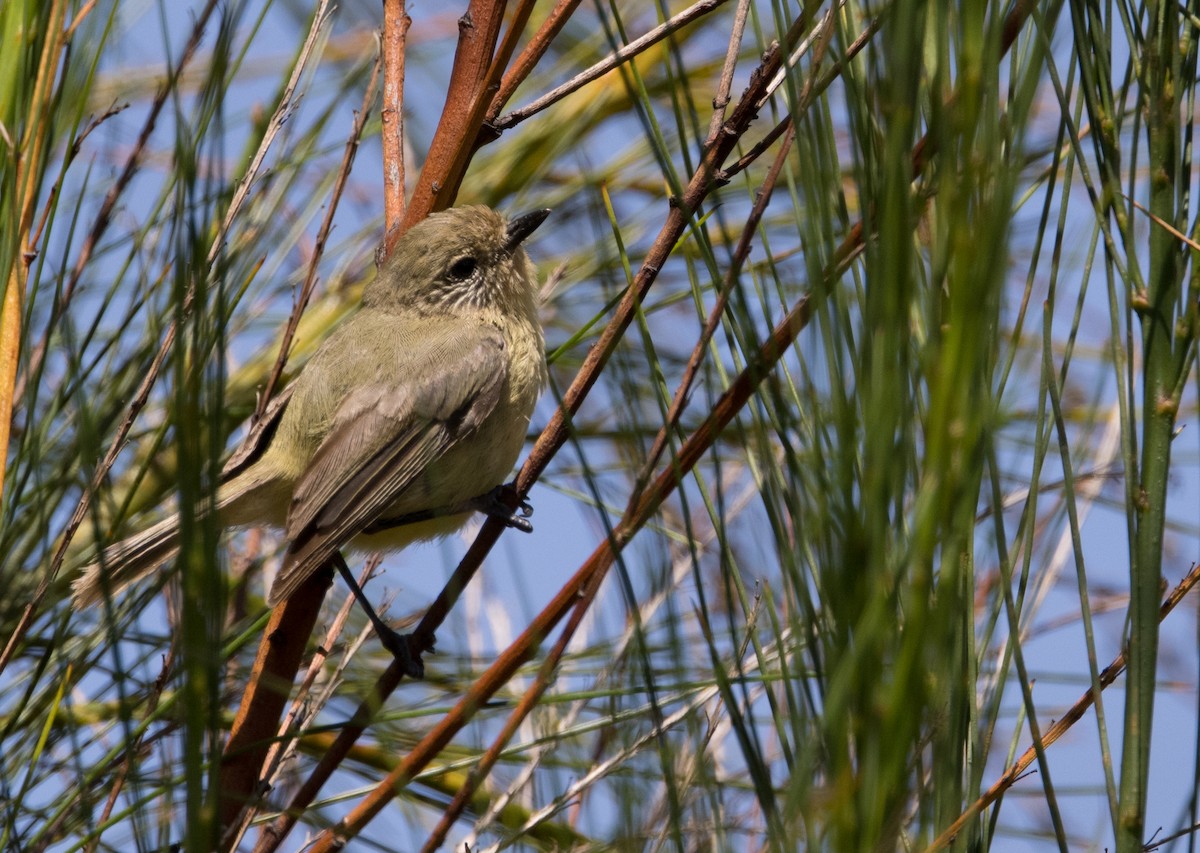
pixel 401 423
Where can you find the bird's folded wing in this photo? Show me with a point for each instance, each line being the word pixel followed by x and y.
pixel 259 436
pixel 384 435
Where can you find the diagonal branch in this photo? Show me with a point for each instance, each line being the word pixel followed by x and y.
pixel 718 148
pixel 545 676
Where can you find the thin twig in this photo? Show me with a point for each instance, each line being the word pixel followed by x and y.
pixel 318 252
pixel 287 104
pixel 84 10
pixel 812 90
pixel 821 33
pixel 721 99
pixel 607 64
pixel 528 59
pixel 732 275
pixel 72 153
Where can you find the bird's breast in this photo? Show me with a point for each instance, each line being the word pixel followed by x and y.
pixel 483 459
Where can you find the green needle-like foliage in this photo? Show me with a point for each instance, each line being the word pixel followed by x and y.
pixel 904 399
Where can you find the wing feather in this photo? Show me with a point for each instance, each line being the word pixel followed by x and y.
pixel 383 436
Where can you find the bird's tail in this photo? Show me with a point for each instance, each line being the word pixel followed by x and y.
pixel 251 497
pixel 125 562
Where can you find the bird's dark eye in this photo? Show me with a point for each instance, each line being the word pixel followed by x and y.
pixel 463 268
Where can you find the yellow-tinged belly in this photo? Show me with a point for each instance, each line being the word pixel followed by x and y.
pixel 418 531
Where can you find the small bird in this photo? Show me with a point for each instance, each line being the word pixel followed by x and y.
pixel 404 421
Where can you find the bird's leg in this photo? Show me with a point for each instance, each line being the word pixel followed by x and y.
pixel 496 504
pixel 400 645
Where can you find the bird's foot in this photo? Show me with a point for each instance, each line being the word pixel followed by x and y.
pixel 496 504
pixel 405 650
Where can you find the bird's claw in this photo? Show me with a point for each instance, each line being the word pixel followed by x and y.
pixel 496 507
pixel 518 518
pixel 405 650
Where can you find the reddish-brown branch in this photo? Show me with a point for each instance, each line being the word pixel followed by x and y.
pixel 478 31
pixel 528 59
pixel 279 654
pixel 396 22
pixel 508 46
pixel 545 677
pixel 51 197
pixel 451 180
pixel 384 687
pixel 301 706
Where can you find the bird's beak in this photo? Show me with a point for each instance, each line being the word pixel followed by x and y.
pixel 520 227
